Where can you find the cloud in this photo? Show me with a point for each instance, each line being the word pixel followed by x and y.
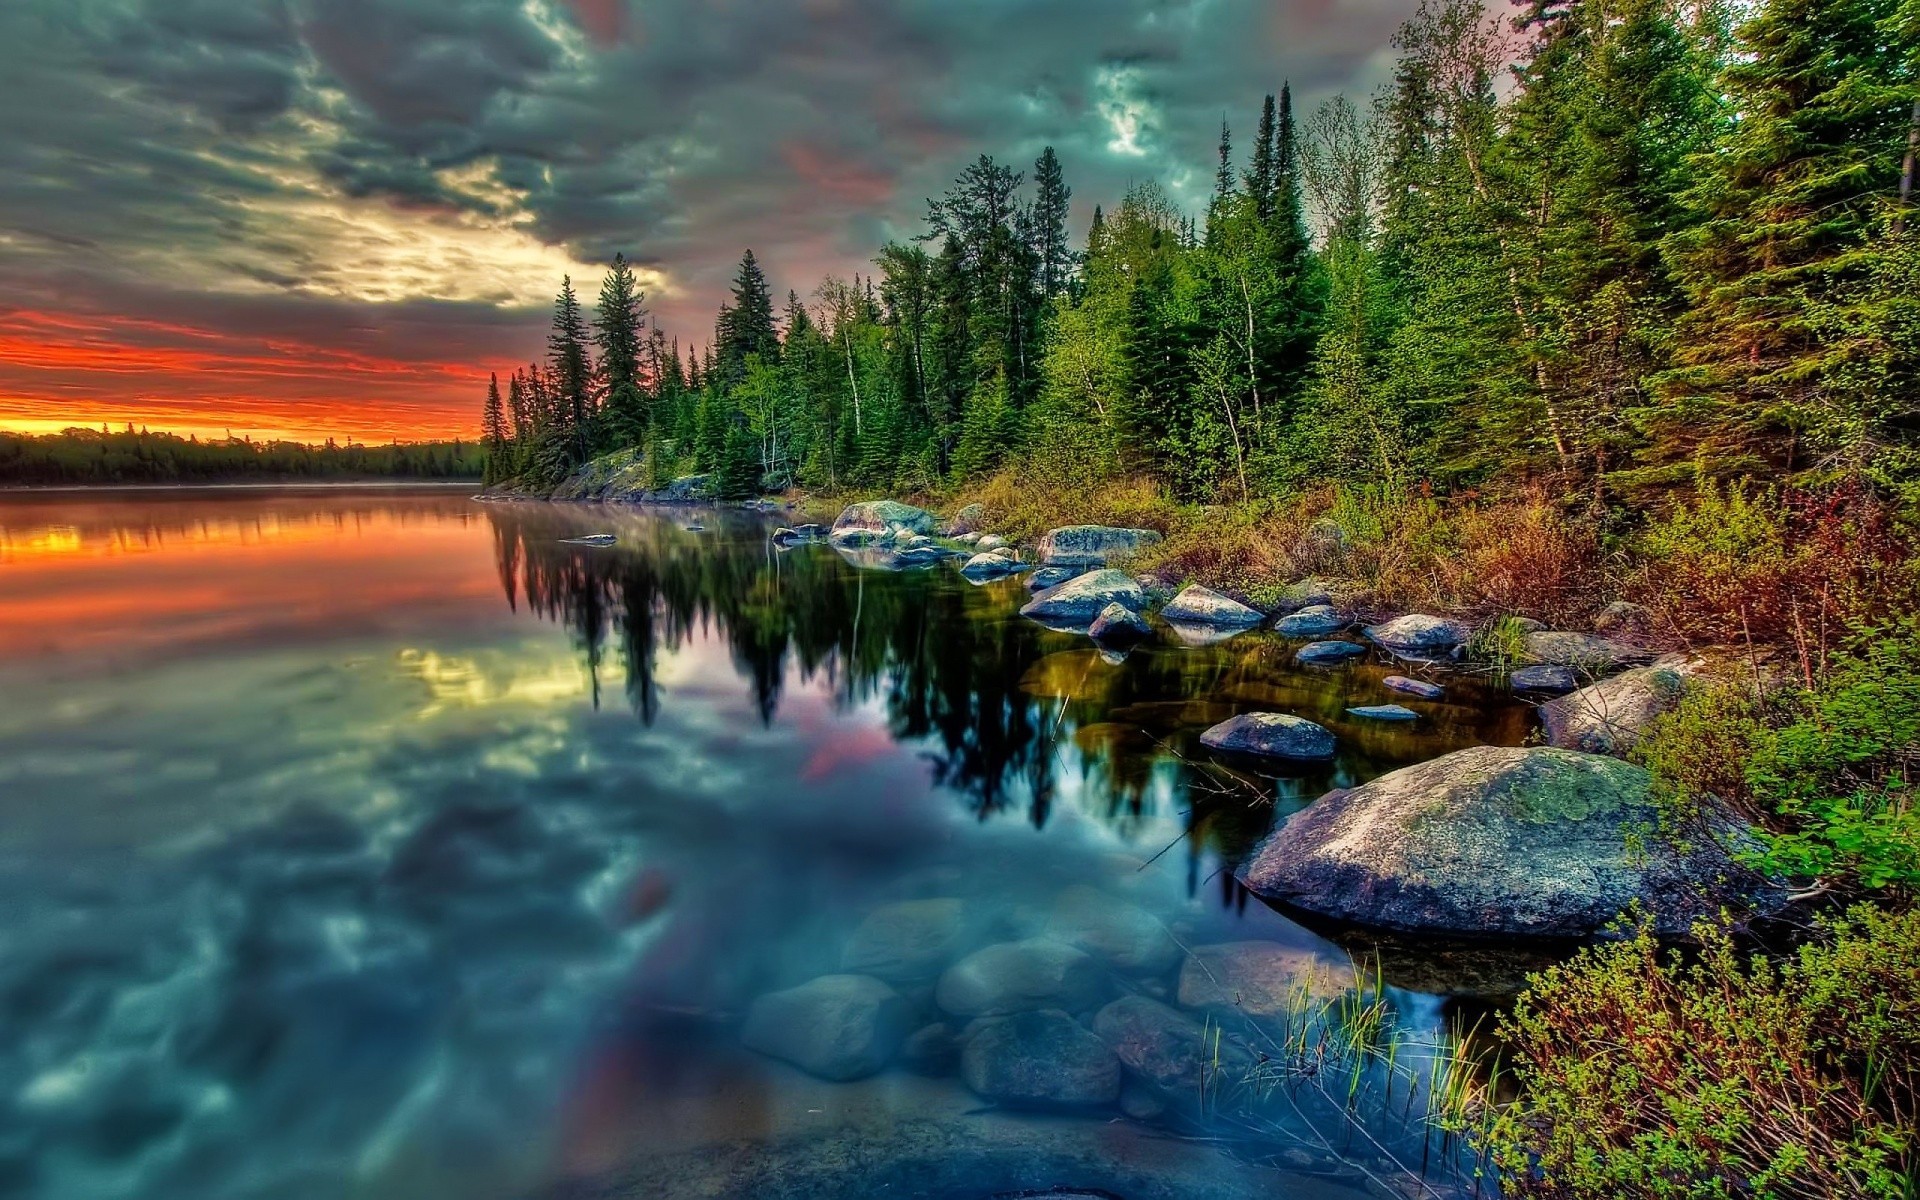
pixel 335 163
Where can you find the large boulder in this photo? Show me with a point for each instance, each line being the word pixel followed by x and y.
pixel 1047 577
pixel 1168 1049
pixel 1018 976
pixel 1043 1059
pixel 836 1026
pixel 1080 599
pixel 1419 636
pixel 1091 545
pixel 909 941
pixel 871 520
pixel 1270 735
pixel 1530 841
pixel 1608 717
pixel 1588 652
pixel 971 519
pixel 1196 605
pixel 1127 936
pixel 1258 979
pixel 1313 621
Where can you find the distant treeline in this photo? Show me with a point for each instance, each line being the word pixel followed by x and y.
pixel 81 456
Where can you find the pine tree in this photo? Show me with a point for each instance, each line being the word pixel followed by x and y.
pixel 1264 169
pixel 493 430
pixel 617 331
pixel 746 325
pixel 571 374
pixel 1050 225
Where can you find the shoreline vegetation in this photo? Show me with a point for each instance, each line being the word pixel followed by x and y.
pixel 83 457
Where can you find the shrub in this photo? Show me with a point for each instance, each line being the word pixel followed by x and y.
pixel 1645 1074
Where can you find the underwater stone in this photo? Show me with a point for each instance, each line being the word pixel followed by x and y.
pixel 1258 979
pixel 909 941
pixel 1413 687
pixel 1043 1058
pixel 1124 934
pixel 1016 976
pixel 838 1027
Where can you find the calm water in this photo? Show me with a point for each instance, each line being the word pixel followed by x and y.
pixel 382 845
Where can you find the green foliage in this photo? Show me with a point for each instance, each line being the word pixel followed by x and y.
pixel 1719 1074
pixel 97 456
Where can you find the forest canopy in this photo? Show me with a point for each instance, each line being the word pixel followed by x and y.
pixel 98 456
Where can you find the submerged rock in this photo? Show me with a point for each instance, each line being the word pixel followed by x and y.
pixel 837 1026
pixel 1043 1058
pixel 1417 636
pixel 1413 687
pixel 1169 1050
pixel 1127 936
pixel 1384 712
pixel 1017 976
pixel 591 539
pixel 1080 599
pixel 1092 545
pixel 1258 979
pixel 909 941
pixel 1500 840
pixel 1608 717
pixel 931 1050
pixel 872 520
pixel 1271 735
pixel 1118 625
pixel 1315 620
pixel 1196 605
pixel 1328 654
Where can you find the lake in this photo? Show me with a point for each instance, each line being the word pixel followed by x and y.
pixel 384 844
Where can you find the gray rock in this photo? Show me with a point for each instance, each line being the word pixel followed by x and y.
pixel 837 1026
pixel 1492 840
pixel 1586 652
pixel 1043 1059
pixel 872 520
pixel 1328 654
pixel 1092 545
pixel 1080 599
pixel 1608 717
pixel 931 1050
pixel 1271 735
pixel 688 489
pixel 1258 979
pixel 991 541
pixel 919 556
pixel 908 942
pixel 970 519
pixel 1118 625
pixel 1307 593
pixel 1017 976
pixel 1196 605
pixel 1138 1102
pixel 991 566
pixel 1127 936
pixel 1544 680
pixel 968 539
pixel 1623 618
pixel 1169 1050
pixel 1413 687
pixel 1047 577
pixel 1384 712
pixel 1313 621
pixel 1419 636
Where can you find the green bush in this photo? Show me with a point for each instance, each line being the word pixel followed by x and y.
pixel 1719 1075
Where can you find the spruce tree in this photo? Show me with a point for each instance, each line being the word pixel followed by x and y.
pixel 617 330
pixel 1050 225
pixel 570 374
pixel 493 430
pixel 1264 169
pixel 746 326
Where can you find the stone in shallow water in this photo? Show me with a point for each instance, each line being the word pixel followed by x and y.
pixel 909 941
pixel 1118 625
pixel 1125 935
pixel 1259 979
pixel 1314 621
pixel 873 519
pixel 1196 605
pixel 1271 735
pixel 1168 1049
pixel 1329 654
pixel 1417 635
pixel 1079 600
pixel 991 566
pixel 1544 678
pixel 1043 1058
pixel 1091 545
pixel 1047 577
pixel 1017 976
pixel 1413 687
pixel 837 1026
pixel 931 1049
pixel 1384 712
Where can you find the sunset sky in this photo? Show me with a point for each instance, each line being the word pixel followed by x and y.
pixel 316 218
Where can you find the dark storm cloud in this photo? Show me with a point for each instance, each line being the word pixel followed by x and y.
pixel 276 150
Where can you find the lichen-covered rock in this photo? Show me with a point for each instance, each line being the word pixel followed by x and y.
pixel 837 1026
pixel 971 519
pixel 1047 577
pixel 1169 1050
pixel 1127 936
pixel 871 520
pixel 1196 605
pixel 909 941
pixel 1118 625
pixel 1092 545
pixel 1608 717
pixel 1079 600
pixel 982 567
pixel 1588 652
pixel 1017 976
pixel 1413 687
pixel 1419 636
pixel 1258 979
pixel 991 541
pixel 1313 621
pixel 1307 593
pixel 1043 1059
pixel 1528 841
pixel 1271 735
pixel 1328 654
